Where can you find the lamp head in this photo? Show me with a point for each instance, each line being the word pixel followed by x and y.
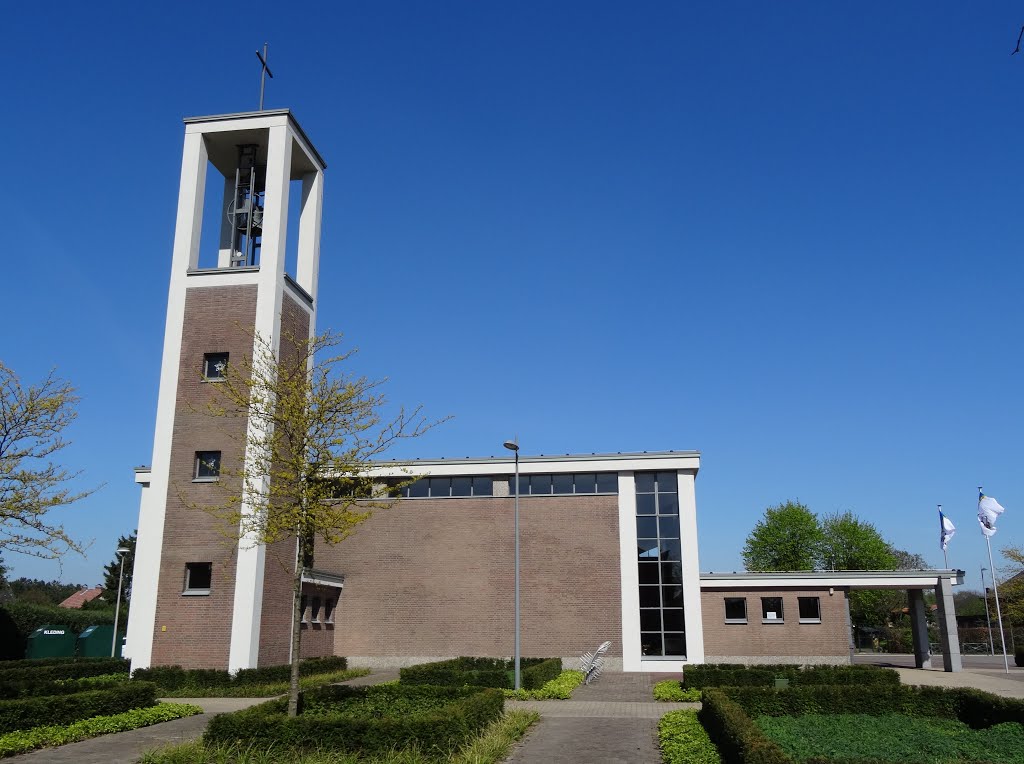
pixel 123 550
pixel 511 445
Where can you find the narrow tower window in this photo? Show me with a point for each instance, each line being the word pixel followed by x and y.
pixel 215 365
pixel 207 465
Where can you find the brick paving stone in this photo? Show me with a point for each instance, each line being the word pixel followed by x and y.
pixel 564 740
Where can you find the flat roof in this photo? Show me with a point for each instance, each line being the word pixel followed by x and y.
pixel 256 114
pixel 539 463
pixel 838 579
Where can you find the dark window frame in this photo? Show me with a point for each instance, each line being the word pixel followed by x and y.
pixel 800 609
pixel 764 610
pixel 210 361
pixel 208 462
pixel 205 569
pixel 735 618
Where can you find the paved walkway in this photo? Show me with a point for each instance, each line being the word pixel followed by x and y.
pixel 612 721
pixel 980 672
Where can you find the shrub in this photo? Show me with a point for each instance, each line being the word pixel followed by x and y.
pixel 730 675
pixel 672 691
pixel 175 677
pixel 370 719
pixel 25 713
pixel 39 737
pixel 684 741
pixel 76 669
pixel 479 672
pixel 734 733
pixel 9 690
pixel 536 676
pixel 559 688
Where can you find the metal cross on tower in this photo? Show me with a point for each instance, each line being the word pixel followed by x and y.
pixel 265 71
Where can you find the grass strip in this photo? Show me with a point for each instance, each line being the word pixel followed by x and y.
pixel 559 688
pixel 269 690
pixel 491 747
pixel 893 737
pixel 43 737
pixel 684 740
pixel 672 691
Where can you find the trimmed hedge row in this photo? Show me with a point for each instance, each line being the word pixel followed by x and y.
pixel 25 713
pixel 176 677
pixel 482 672
pixel 75 669
pixel 734 675
pixel 684 741
pixel 9 690
pixel 372 720
pixel 727 713
pixel 40 737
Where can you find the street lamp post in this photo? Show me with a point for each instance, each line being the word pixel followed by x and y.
pixel 513 445
pixel 121 552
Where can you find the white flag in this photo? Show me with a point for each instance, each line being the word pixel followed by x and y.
pixel 988 512
pixel 948 529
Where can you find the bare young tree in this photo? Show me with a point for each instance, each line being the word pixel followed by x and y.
pixel 314 429
pixel 32 483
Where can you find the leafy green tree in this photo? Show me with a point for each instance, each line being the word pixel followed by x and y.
pixel 112 572
pixel 1011 589
pixel 32 423
pixel 314 429
pixel 849 543
pixel 788 537
pixel 37 592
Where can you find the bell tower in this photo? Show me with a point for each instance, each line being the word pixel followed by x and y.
pixel 199 601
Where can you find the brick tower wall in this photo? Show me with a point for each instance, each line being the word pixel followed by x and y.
pixel 194 631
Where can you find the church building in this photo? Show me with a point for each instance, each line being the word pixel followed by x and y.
pixel 608 542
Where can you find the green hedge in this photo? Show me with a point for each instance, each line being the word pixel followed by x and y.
pixel 684 741
pixel 372 720
pixel 76 669
pixel 9 690
pixel 40 737
pixel 727 712
pixel 738 739
pixel 482 672
pixel 732 675
pixel 19 619
pixel 175 677
pixel 25 713
pixel 538 675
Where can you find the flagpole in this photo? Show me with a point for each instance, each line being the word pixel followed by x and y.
pixel 988 618
pixel 942 535
pixel 995 590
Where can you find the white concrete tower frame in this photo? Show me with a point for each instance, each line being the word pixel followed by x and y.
pixel 686 468
pixel 290 156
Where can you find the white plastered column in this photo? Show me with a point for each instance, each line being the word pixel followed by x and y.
pixel 307 270
pixel 153 504
pixel 692 613
pixel 248 602
pixel 628 574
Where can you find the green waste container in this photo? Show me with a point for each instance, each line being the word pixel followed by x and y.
pixel 94 642
pixel 51 642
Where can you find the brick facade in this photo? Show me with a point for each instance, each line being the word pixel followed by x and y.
pixel 435 577
pixel 194 631
pixel 761 641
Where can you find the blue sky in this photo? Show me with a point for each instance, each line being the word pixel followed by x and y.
pixel 786 235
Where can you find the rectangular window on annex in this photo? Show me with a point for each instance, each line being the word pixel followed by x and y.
pixel 771 610
pixel 810 609
pixel 735 610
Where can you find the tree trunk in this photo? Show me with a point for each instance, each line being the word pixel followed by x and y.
pixel 296 642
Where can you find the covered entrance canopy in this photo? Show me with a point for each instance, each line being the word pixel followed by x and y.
pixel 913 581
